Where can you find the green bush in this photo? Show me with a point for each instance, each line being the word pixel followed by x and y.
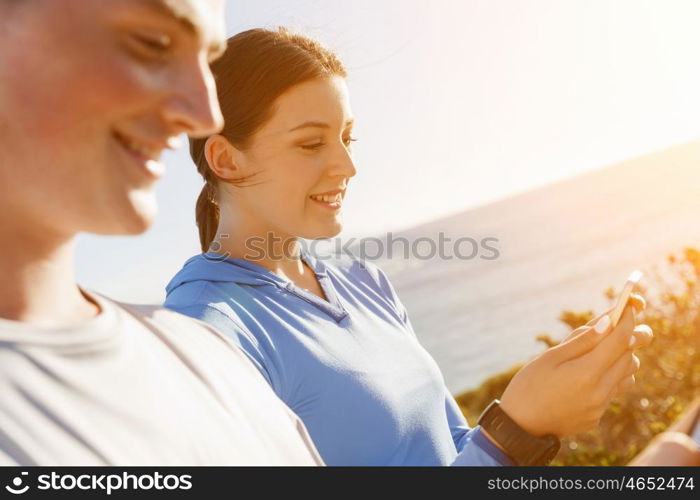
pixel 668 379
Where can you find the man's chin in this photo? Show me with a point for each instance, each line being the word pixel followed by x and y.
pixel 135 218
pixel 131 226
pixel 138 225
pixel 145 209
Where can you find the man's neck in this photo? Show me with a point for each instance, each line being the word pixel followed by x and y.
pixel 38 278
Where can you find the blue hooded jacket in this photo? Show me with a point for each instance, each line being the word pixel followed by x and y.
pixel 350 366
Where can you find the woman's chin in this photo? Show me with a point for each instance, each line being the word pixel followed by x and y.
pixel 325 231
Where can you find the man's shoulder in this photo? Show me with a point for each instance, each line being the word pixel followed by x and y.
pixel 192 339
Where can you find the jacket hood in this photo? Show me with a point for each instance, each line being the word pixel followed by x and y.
pixel 218 268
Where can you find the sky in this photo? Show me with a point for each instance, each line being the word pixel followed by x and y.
pixel 457 103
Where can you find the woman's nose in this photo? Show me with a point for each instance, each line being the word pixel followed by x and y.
pixel 344 164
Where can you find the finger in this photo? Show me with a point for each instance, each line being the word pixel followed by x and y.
pixel 635 300
pixel 581 329
pixel 638 302
pixel 642 335
pixel 577 332
pixel 624 368
pixel 598 318
pixel 583 343
pixel 614 345
pixel 624 386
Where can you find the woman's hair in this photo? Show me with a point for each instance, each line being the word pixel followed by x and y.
pixel 258 66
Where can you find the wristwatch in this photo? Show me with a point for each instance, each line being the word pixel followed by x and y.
pixel 521 446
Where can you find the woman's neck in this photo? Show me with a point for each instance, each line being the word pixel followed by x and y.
pixel 278 253
pixel 38 277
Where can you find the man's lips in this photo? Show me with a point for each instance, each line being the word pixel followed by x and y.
pixel 151 149
pixel 147 152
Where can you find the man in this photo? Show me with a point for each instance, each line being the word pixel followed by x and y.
pixel 91 93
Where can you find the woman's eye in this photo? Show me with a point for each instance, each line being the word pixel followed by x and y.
pixel 313 147
pixel 318 145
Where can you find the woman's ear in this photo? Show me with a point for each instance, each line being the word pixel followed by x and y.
pixel 221 156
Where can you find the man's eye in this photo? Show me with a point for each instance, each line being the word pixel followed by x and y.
pixel 349 140
pixel 313 147
pixel 152 43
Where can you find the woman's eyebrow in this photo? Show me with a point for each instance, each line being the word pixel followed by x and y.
pixel 315 124
pixel 310 124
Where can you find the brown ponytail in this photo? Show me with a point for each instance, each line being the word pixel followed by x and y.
pixel 207 214
pixel 258 66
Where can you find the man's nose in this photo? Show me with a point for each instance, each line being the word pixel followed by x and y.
pixel 193 106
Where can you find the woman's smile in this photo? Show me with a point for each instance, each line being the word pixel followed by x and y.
pixel 332 200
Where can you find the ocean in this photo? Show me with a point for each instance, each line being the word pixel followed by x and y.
pixel 558 248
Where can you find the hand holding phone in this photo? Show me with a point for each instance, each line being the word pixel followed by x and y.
pixel 631 282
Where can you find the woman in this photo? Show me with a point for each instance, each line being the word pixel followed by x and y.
pixel 331 336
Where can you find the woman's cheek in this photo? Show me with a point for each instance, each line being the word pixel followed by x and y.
pixel 305 180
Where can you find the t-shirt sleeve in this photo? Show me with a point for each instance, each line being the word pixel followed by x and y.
pixel 5 459
pixel 234 331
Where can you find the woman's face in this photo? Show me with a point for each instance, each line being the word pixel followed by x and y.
pixel 92 93
pixel 303 161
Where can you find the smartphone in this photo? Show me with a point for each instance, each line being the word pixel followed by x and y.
pixel 631 282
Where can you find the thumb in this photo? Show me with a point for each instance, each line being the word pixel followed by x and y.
pixel 636 301
pixel 584 342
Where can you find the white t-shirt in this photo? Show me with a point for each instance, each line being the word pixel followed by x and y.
pixel 139 385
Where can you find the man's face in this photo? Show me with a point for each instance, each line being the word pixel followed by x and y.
pixel 92 92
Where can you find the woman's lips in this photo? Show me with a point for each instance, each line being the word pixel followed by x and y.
pixel 332 200
pixel 335 205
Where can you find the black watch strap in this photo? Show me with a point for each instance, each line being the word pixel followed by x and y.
pixel 521 446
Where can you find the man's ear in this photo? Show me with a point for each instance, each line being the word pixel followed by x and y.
pixel 221 157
